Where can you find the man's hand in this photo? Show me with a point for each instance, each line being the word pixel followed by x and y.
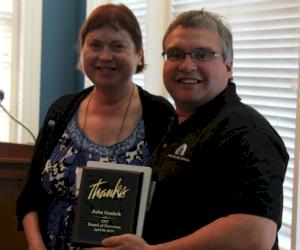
pixel 123 242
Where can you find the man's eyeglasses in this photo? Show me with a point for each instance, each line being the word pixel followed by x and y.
pixel 176 55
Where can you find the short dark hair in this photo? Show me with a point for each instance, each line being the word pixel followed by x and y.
pixel 117 16
pixel 208 20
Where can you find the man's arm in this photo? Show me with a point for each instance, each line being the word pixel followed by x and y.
pixel 236 231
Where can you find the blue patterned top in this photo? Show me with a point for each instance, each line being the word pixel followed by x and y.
pixel 58 177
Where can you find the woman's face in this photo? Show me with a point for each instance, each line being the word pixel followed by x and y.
pixel 109 57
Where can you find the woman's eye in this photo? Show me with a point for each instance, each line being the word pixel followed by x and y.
pixel 118 47
pixel 94 45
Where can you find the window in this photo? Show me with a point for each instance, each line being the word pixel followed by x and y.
pixel 20 37
pixel 6 36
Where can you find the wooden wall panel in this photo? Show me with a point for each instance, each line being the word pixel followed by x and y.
pixel 14 166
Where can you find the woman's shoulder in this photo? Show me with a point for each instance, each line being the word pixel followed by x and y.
pixel 68 102
pixel 67 99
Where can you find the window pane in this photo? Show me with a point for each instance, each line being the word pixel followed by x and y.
pixel 5 63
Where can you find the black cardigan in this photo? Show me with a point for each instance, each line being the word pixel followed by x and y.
pixel 156 114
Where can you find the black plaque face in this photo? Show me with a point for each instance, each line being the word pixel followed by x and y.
pixel 108 205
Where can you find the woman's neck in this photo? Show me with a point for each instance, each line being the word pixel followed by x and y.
pixel 108 122
pixel 110 100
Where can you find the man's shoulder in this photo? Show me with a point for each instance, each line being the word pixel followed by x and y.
pixel 245 115
pixel 155 102
pixel 245 122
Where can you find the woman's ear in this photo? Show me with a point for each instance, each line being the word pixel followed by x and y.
pixel 140 57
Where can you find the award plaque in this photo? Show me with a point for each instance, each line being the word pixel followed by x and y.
pixel 112 200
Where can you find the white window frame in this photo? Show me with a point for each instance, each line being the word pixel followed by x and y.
pixel 32 42
pixel 295 234
pixel 25 70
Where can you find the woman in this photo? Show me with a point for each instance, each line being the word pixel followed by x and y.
pixel 114 121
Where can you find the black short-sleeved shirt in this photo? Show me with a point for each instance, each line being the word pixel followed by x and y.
pixel 225 159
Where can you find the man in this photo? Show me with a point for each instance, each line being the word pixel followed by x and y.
pixel 219 171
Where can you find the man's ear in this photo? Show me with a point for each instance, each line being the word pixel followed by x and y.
pixel 229 68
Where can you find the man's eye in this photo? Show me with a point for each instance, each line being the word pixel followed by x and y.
pixel 202 55
pixel 174 54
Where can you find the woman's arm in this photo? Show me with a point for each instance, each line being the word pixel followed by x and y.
pixel 32 232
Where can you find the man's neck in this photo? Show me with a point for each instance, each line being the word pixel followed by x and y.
pixel 184 113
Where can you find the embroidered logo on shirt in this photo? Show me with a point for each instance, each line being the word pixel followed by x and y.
pixel 179 153
pixel 181 149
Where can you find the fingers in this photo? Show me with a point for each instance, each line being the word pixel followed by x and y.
pixel 113 241
pixel 124 242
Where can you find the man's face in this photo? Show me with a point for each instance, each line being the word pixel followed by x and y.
pixel 192 82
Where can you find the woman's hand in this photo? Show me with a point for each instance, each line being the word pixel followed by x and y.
pixel 32 232
pixel 40 246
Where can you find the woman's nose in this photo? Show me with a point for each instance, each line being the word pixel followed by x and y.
pixel 105 54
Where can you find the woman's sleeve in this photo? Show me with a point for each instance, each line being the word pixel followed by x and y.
pixel 32 195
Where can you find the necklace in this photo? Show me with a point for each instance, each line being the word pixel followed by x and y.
pixel 123 120
pixel 85 114
pixel 125 115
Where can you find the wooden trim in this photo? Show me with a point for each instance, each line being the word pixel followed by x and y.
pixel 14 153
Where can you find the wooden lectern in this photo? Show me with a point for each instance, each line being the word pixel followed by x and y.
pixel 14 166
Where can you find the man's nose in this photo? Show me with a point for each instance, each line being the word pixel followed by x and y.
pixel 187 63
